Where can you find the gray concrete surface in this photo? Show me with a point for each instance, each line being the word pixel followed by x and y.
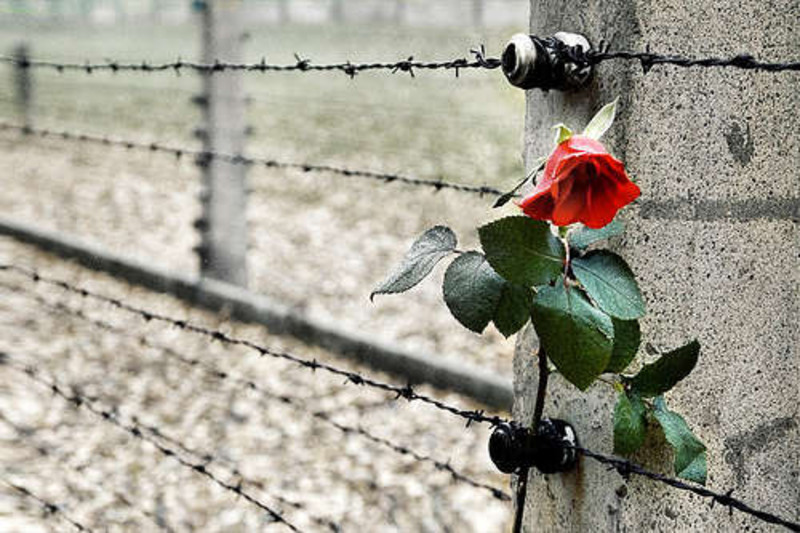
pixel 714 242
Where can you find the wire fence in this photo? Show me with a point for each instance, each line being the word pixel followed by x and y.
pixel 577 55
pixel 204 157
pixel 215 372
pixel 136 431
pixel 47 506
pixel 624 467
pixel 24 436
pixel 481 62
pixel 208 465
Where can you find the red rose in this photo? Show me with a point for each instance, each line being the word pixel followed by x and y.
pixel 582 182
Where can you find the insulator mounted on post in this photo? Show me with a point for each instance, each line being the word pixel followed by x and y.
pixel 550 449
pixel 531 62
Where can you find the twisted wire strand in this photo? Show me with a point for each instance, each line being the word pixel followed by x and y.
pixel 49 507
pixel 648 59
pixel 205 157
pixel 135 430
pixel 215 372
pixel 594 56
pixel 409 65
pixel 407 392
pixel 626 468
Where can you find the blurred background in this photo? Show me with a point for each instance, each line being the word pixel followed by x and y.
pixel 320 242
pixel 317 242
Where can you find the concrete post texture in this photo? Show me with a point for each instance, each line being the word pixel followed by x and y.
pixel 715 245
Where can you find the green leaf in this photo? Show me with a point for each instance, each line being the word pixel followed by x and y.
pixel 582 237
pixel 562 133
pixel 610 283
pixel 630 425
pixel 522 250
pixel 576 335
pixel 690 453
pixel 430 248
pixel 513 309
pixel 601 121
pixel 472 290
pixel 659 377
pixel 627 337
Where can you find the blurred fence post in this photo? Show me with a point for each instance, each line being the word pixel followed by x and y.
pixel 223 223
pixel 337 10
pixel 23 86
pixel 477 12
pixel 399 11
pixel 284 15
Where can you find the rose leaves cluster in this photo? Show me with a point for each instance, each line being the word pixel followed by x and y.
pixel 583 302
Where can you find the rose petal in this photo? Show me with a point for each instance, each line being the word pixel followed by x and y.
pixel 601 206
pixel 538 206
pixel 571 200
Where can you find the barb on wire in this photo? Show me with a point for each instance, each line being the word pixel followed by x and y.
pixel 348 68
pixel 407 392
pixel 649 59
pixel 626 468
pixel 204 157
pixel 213 371
pixel 137 432
pixel 49 507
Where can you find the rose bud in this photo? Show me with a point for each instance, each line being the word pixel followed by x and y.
pixel 582 182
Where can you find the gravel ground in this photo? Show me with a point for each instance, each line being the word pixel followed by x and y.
pixel 106 480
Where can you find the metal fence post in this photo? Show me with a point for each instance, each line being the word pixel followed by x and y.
pixel 223 225
pixel 23 86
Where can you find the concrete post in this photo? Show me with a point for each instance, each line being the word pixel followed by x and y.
pixel 399 11
pixel 23 86
pixel 714 242
pixel 477 12
pixel 337 10
pixel 223 226
pixel 284 13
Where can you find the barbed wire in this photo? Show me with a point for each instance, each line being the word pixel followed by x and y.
pixel 594 56
pixel 409 65
pixel 649 59
pixel 43 448
pixel 233 470
pixel 49 507
pixel 215 372
pixel 406 392
pixel 622 466
pixel 135 430
pixel 204 157
pixel 626 468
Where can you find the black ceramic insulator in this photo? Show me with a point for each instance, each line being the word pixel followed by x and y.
pixel 512 447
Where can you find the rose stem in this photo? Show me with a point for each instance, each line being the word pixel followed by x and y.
pixel 522 477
